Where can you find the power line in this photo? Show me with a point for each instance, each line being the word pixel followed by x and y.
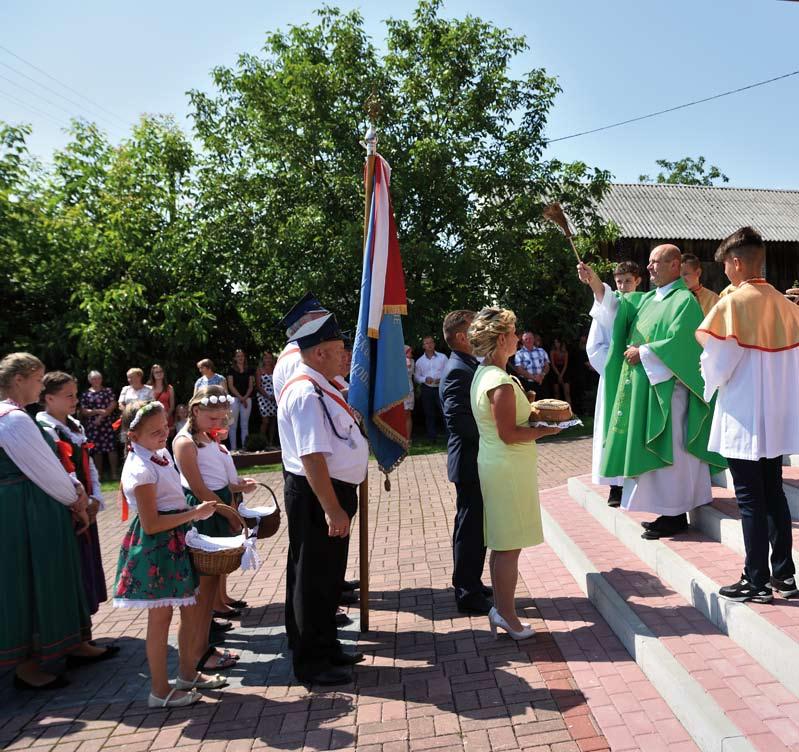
pixel 31 107
pixel 673 109
pixel 66 86
pixel 49 89
pixel 35 94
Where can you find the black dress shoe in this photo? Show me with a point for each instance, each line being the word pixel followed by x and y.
pixel 233 614
pixel 614 497
pixel 328 678
pixel 221 626
pixel 58 683
pixel 350 585
pixel 347 659
pixel 237 604
pixel 348 599
pixel 476 603
pixel 665 526
pixel 76 661
pixel 342 619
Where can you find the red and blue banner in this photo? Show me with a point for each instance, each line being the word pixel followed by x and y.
pixel 378 376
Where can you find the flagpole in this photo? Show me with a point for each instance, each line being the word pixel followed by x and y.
pixel 370 142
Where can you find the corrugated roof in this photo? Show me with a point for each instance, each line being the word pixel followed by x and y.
pixel 695 212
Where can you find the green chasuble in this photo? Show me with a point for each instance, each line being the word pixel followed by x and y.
pixel 638 435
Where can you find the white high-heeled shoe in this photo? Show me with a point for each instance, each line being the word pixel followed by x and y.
pixel 495 620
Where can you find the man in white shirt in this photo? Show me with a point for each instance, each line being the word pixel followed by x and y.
pixel 428 372
pixel 751 355
pixel 324 458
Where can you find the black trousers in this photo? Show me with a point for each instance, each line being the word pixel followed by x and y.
pixel 315 573
pixel 431 405
pixel 468 548
pixel 765 517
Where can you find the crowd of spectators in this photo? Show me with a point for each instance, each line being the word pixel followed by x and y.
pixel 559 370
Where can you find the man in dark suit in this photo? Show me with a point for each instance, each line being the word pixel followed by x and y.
pixel 468 548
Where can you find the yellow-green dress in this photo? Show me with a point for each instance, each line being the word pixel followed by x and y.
pixel 508 472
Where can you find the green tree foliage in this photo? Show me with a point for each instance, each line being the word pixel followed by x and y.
pixel 163 249
pixel 686 171
pixel 464 137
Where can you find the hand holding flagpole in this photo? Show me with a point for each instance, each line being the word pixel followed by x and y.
pixel 554 213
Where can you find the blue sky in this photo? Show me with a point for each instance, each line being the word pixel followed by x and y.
pixel 614 59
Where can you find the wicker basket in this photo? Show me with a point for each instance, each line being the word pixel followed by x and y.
pixel 215 563
pixel 269 525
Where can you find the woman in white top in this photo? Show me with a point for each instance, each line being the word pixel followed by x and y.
pixel 135 391
pixel 155 570
pixel 44 613
pixel 207 472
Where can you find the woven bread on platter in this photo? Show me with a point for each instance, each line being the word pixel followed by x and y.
pixel 551 411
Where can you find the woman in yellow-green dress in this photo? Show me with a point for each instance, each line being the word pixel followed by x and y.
pixel 506 461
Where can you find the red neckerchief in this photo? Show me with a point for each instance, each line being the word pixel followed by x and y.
pixel 335 397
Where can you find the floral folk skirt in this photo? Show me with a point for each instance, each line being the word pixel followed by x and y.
pixel 155 570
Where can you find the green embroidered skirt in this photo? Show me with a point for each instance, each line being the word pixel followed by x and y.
pixel 155 570
pixel 45 614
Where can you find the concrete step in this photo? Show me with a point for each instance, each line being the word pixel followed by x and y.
pixel 696 566
pixel 628 708
pixel 718 692
pixel 791 460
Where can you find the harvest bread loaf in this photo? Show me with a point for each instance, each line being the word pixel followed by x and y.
pixel 550 410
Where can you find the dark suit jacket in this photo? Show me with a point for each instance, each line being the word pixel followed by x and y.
pixel 454 390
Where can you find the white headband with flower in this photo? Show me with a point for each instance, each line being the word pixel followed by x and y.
pixel 142 411
pixel 214 400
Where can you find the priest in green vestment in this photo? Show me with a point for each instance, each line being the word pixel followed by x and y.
pixel 657 423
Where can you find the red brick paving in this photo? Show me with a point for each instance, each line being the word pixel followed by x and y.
pixel 433 680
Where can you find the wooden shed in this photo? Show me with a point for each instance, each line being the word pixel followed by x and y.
pixel 696 218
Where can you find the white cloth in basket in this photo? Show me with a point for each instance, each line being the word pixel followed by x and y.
pixel 256 512
pixel 249 560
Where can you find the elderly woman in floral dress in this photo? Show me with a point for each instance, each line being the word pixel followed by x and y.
pixel 97 405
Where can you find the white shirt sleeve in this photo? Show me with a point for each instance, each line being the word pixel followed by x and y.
pixel 25 445
pixel 605 311
pixel 136 473
pixel 598 346
pixel 230 467
pixel 418 373
pixel 718 362
pixel 97 492
pixel 656 370
pixel 308 422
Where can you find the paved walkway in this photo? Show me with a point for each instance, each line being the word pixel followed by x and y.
pixel 433 679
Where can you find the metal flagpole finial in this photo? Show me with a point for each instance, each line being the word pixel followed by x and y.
pixel 373 109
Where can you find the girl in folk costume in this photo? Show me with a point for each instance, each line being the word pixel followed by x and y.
pixel 60 399
pixel 45 614
pixel 207 472
pixel 155 571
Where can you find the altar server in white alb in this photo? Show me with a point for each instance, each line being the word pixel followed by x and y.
pixel 751 356
pixel 324 458
pixel 627 276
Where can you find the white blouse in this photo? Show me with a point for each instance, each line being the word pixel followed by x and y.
pixel 140 470
pixel 216 465
pixel 80 439
pixel 757 410
pixel 23 442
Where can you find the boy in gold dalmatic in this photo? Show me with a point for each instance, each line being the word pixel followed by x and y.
pixel 751 356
